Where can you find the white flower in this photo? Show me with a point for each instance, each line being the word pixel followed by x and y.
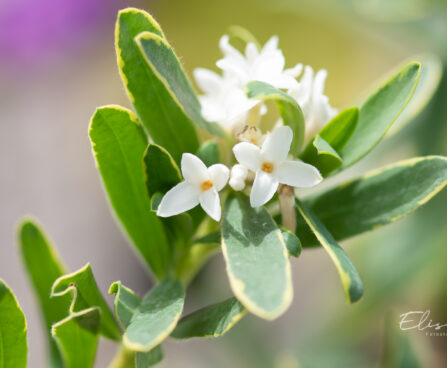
pixel 200 186
pixel 237 178
pixel 271 166
pixel 315 105
pixel 266 65
pixel 224 101
pixel 251 134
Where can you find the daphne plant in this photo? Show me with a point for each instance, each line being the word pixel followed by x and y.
pixel 188 176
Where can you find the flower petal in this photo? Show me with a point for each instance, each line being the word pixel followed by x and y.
pixel 210 202
pixel 297 174
pixel 248 155
pixel 219 175
pixel 208 81
pixel 193 169
pixel 277 144
pixel 181 198
pixel 264 188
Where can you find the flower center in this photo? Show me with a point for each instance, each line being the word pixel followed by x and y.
pixel 208 184
pixel 267 167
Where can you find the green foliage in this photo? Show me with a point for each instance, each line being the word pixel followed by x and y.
pixel 158 108
pixel 322 155
pixel 349 276
pixel 119 143
pixel 377 198
pixel 84 290
pixel 289 110
pixel 77 337
pixel 161 171
pixel 379 112
pixel 44 267
pixel 13 345
pixel 292 242
pixel 212 321
pixel 257 259
pixel 165 65
pixel 209 153
pixel 155 317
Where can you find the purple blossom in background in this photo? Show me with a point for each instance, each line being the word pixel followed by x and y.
pixel 33 30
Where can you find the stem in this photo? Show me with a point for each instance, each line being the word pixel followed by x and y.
pixel 124 358
pixel 286 195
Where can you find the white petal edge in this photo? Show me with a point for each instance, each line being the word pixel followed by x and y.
pixel 264 188
pixel 193 169
pixel 277 144
pixel 181 198
pixel 219 175
pixel 210 202
pixel 297 174
pixel 248 155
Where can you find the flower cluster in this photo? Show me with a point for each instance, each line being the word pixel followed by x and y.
pixel 225 101
pixel 263 160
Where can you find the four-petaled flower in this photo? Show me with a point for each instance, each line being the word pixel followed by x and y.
pixel 201 185
pixel 271 166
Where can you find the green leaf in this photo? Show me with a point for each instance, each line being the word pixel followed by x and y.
pixel 13 345
pixel 340 129
pixel 82 286
pixel 125 304
pixel 349 276
pixel 322 155
pixel 377 198
pixel 161 171
pixel 292 241
pixel 243 35
pixel 167 68
pixel 431 75
pixel 379 112
pixel 149 359
pixel 289 110
pixel 155 317
pixel 119 143
pixel 44 267
pixel 209 153
pixel 256 257
pixel 212 321
pixel 77 337
pixel 158 108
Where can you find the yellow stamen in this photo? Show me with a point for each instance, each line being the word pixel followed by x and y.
pixel 267 167
pixel 208 184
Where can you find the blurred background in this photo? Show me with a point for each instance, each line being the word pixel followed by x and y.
pixel 57 63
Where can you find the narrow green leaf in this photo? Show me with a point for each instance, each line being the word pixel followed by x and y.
pixel 431 75
pixel 13 329
pixel 158 108
pixel 125 304
pixel 161 171
pixel 167 68
pixel 377 198
pixel 44 267
pixel 119 143
pixel 289 109
pixel 292 241
pixel 350 279
pixel 256 257
pixel 211 238
pixel 243 35
pixel 156 316
pixel 379 112
pixel 340 129
pixel 322 155
pixel 212 321
pixel 82 286
pixel 77 337
pixel 149 359
pixel 209 153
